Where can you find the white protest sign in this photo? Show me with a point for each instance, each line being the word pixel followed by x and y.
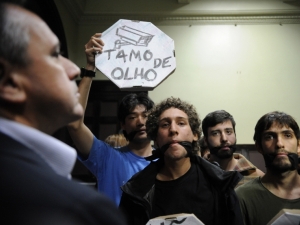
pixel 181 218
pixel 286 217
pixel 136 56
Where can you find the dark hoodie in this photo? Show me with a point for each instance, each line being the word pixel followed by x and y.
pixel 138 193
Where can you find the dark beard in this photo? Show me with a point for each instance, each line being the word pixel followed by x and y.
pixel 140 140
pixel 269 158
pixel 130 137
pixel 222 154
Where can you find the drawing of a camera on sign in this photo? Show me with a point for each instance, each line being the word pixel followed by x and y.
pixel 130 36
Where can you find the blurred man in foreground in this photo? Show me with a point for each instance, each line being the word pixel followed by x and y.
pixel 38 95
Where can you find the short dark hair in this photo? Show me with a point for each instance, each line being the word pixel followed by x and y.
pixel 130 101
pixel 267 120
pixel 194 120
pixel 214 118
pixel 14 39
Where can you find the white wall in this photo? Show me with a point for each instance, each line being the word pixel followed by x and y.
pixel 248 70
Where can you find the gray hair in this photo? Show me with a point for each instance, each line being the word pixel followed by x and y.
pixel 14 35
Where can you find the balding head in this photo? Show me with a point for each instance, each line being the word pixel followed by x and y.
pixel 37 82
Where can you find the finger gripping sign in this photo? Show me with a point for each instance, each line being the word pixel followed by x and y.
pixel 137 56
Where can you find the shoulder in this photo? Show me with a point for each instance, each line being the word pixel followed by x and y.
pixel 99 143
pixel 100 148
pixel 86 203
pixel 220 178
pixel 145 177
pixel 58 196
pixel 250 186
pixel 106 147
pixel 259 172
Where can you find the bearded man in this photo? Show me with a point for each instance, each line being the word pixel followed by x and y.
pixel 277 139
pixel 219 134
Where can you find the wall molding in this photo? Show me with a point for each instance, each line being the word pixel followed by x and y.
pixel 194 20
pixel 187 17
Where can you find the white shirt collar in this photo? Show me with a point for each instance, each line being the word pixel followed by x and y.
pixel 60 157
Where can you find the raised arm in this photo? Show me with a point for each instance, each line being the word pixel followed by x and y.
pixel 79 132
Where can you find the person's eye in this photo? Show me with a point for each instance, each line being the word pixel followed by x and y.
pixel 229 131
pixel 181 123
pixel 57 53
pixel 164 125
pixel 215 133
pixel 288 135
pixel 268 137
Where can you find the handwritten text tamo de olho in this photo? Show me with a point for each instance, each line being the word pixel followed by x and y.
pixel 129 73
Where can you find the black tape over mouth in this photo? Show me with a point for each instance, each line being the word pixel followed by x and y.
pixel 293 157
pixel 159 153
pixel 215 150
pixel 131 135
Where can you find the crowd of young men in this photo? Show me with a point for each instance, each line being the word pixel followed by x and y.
pixel 38 83
pixel 155 189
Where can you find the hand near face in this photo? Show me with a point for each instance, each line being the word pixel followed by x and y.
pixel 93 47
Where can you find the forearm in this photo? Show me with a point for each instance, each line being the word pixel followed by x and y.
pixel 79 132
pixel 84 90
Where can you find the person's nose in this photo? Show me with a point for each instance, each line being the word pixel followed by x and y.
pixel 141 120
pixel 279 142
pixel 173 128
pixel 223 137
pixel 71 69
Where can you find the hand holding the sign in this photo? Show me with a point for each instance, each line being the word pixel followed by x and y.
pixel 93 47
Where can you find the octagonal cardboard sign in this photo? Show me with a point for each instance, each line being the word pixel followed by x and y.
pixel 137 56
pixel 181 218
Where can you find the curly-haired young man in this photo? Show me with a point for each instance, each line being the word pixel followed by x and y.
pixel 180 181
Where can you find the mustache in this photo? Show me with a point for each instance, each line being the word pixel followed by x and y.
pixel 293 158
pixel 215 150
pixel 280 151
pixel 130 136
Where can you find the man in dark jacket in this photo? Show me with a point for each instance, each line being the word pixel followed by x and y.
pixel 180 181
pixel 38 95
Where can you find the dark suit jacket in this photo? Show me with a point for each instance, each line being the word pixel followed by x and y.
pixel 32 193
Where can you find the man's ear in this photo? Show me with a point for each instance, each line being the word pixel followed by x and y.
pixel 196 138
pixel 11 88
